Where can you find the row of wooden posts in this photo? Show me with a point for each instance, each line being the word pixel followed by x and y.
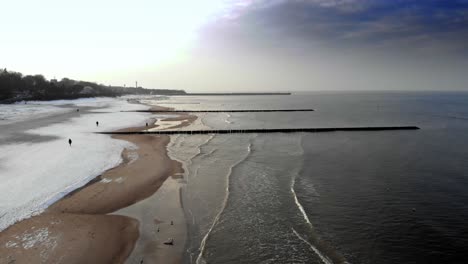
pixel 267 130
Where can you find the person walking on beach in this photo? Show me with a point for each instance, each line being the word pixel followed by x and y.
pixel 69 141
pixel 97 123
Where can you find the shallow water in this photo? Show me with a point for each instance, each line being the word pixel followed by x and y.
pixel 357 197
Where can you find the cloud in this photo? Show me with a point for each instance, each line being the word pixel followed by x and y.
pixel 348 23
pixel 347 6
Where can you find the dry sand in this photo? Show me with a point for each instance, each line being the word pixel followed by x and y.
pixel 76 229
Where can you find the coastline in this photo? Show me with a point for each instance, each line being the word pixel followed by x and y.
pixel 57 235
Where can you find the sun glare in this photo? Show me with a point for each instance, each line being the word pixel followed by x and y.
pixel 175 24
pixel 111 34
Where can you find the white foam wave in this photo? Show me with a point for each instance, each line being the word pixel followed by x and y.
pixel 298 204
pixel 200 259
pixel 322 257
pixel 227 119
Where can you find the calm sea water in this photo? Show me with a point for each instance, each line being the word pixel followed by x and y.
pixel 341 197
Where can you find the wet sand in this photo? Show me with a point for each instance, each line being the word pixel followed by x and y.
pixel 161 217
pixel 79 223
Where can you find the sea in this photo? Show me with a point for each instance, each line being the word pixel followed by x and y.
pixel 334 197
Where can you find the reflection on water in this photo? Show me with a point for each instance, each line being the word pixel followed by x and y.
pixel 360 197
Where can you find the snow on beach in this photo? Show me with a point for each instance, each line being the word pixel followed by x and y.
pixel 23 111
pixel 34 175
pixel 20 112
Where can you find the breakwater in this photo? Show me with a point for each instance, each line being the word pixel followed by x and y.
pixel 224 111
pixel 234 94
pixel 266 130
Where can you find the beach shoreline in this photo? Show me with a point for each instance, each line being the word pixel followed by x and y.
pixel 94 208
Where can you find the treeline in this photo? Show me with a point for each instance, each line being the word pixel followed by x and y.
pixel 16 87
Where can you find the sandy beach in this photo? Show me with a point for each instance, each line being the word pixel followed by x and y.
pixel 129 192
pixel 130 182
pixel 69 238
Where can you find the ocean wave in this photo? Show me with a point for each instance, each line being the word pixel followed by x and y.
pixel 200 259
pixel 322 257
pixel 298 204
pixel 227 121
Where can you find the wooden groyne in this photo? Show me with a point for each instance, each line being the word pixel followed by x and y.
pixel 224 111
pixel 266 130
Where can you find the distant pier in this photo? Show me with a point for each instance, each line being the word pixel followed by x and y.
pixel 265 130
pixel 233 94
pixel 224 111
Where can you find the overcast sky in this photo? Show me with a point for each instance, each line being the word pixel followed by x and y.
pixel 241 45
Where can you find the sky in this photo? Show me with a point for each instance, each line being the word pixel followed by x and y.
pixel 242 45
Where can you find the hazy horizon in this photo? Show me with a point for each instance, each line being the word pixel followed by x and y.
pixel 241 45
